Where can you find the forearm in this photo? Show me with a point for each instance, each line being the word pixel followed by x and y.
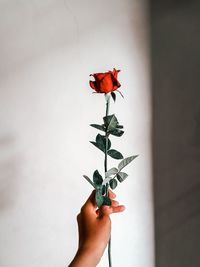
pixel 94 231
pixel 85 257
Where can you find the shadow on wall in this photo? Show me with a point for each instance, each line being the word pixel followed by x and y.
pixel 175 43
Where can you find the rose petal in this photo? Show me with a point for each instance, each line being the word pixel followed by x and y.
pixel 99 76
pixel 106 84
pixel 115 72
pixel 93 85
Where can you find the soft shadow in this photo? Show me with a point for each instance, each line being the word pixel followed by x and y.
pixel 175 43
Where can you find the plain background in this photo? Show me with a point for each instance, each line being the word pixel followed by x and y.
pixel 47 51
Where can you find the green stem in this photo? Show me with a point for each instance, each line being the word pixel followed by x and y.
pixel 106 135
pixel 107 105
pixel 106 168
pixel 109 253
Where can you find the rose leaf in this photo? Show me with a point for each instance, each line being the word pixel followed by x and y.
pixel 121 176
pixel 126 161
pixel 115 154
pixel 97 178
pixel 113 96
pixel 116 132
pixel 88 179
pixel 97 145
pixel 99 198
pixel 112 171
pixel 97 126
pixel 101 142
pixel 113 183
pixel 107 201
pixel 110 122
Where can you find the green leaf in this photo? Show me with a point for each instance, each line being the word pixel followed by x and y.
pixel 107 180
pixel 97 178
pixel 107 201
pixel 116 132
pixel 95 144
pixel 115 154
pixel 108 144
pixel 101 143
pixel 121 176
pixel 126 161
pixel 113 96
pixel 120 93
pixel 110 122
pixel 120 126
pixel 112 171
pixel 113 183
pixel 103 191
pixel 99 127
pixel 88 179
pixel 99 198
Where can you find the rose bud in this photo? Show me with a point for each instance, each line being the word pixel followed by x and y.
pixel 105 82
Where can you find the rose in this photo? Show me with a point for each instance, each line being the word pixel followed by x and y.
pixel 105 82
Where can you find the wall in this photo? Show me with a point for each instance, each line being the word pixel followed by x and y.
pixel 175 71
pixel 48 49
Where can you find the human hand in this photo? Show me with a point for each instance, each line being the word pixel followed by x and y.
pixel 94 227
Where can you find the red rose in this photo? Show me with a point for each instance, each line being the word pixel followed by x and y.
pixel 105 82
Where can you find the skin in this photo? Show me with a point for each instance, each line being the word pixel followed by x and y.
pixel 94 227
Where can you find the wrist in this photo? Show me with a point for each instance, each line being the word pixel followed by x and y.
pixel 86 256
pixel 92 253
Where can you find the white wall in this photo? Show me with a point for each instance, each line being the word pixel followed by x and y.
pixel 48 49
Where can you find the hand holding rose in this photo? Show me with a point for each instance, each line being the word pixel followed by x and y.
pixel 94 231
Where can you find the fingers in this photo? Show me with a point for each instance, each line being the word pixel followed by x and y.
pixel 114 203
pixel 91 199
pixel 108 210
pixel 114 208
pixel 117 209
pixel 111 194
pixel 90 204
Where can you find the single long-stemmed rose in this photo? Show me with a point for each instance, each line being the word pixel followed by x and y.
pixel 107 83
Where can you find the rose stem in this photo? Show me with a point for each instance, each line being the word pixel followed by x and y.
pixel 106 134
pixel 105 165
